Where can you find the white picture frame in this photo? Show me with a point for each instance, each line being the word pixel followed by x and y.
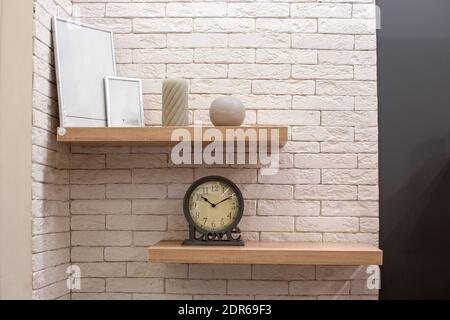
pixel 124 102
pixel 84 56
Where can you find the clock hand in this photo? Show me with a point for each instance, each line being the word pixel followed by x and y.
pixel 224 200
pixel 212 204
pixel 223 193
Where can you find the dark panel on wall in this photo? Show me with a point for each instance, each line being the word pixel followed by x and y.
pixel 414 117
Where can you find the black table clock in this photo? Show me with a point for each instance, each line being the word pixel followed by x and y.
pixel 213 207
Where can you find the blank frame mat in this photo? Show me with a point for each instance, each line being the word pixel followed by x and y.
pixel 125 107
pixel 84 57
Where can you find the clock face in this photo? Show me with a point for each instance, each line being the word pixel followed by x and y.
pixel 214 204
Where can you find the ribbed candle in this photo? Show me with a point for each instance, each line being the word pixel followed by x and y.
pixel 175 103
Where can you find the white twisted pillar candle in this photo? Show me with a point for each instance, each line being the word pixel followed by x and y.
pixel 175 103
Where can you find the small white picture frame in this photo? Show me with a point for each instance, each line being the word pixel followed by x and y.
pixel 124 103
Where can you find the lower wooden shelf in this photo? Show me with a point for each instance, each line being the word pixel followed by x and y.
pixel 299 253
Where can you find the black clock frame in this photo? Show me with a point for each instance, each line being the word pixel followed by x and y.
pixel 230 236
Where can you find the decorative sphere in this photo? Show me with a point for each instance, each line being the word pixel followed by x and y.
pixel 227 111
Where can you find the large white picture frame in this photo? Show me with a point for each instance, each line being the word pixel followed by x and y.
pixel 124 102
pixel 84 56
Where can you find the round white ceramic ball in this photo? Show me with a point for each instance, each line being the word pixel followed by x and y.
pixel 227 111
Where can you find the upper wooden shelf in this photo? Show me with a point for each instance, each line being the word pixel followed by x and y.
pixel 158 136
pixel 297 253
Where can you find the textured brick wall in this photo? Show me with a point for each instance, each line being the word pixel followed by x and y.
pixel 308 64
pixel 51 214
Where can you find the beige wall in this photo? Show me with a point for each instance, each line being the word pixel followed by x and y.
pixel 15 148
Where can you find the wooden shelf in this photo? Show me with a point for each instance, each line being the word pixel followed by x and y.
pixel 298 253
pixel 158 136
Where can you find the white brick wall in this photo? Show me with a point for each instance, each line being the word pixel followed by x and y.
pixel 308 64
pixel 51 215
